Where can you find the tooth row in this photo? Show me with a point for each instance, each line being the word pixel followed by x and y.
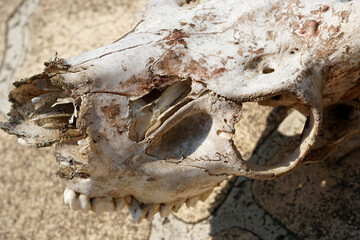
pixel 138 210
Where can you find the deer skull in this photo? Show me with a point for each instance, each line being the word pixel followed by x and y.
pixel 148 120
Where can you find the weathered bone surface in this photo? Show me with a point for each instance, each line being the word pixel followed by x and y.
pixel 148 120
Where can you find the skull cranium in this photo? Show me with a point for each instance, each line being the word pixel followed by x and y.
pixel 148 120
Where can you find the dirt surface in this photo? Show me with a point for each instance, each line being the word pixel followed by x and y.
pixel 318 201
pixel 7 8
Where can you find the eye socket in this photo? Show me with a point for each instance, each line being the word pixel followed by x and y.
pixel 265 135
pixel 183 139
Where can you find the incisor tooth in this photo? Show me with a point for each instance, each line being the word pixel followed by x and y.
pixel 205 195
pixel 102 204
pixel 72 199
pixel 85 202
pixel 153 209
pixel 165 209
pixel 191 202
pixel 67 195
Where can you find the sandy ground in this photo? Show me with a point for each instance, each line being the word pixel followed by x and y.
pixel 318 201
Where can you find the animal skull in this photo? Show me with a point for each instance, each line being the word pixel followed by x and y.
pixel 148 120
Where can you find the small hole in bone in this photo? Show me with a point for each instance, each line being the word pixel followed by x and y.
pixel 185 3
pixel 183 139
pixel 294 50
pixel 268 70
pixel 276 97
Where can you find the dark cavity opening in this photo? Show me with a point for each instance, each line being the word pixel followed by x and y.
pixel 185 3
pixel 339 112
pixel 268 70
pixel 183 139
pixel 148 109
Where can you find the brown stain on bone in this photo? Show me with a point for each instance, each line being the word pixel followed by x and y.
pixel 111 111
pixel 258 51
pixel 310 28
pixel 217 71
pixel 345 16
pixel 176 36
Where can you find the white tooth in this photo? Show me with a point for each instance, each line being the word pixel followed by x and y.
pixel 205 195
pixel 85 202
pixel 66 196
pixel 135 209
pixel 23 142
pixel 191 202
pixel 102 204
pixel 178 205
pixel 71 198
pixel 165 209
pixel 153 209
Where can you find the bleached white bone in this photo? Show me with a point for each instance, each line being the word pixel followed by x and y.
pixel 152 115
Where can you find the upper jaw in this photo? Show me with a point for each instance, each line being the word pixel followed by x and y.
pixel 109 145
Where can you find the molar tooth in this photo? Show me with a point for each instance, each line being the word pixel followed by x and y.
pixel 178 205
pixel 205 195
pixel 72 199
pixel 165 209
pixel 85 202
pixel 102 204
pixel 153 209
pixel 191 202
